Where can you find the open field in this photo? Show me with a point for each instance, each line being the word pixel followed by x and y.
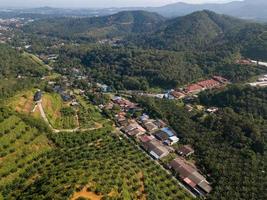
pixel 23 103
pixel 89 115
pixel 35 59
pixel 84 193
pixel 52 105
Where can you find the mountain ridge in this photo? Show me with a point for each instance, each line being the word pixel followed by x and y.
pixel 247 9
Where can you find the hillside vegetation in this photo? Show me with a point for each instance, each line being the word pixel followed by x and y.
pixel 17 71
pixel 242 99
pixel 199 31
pixel 138 69
pixel 97 27
pixel 23 141
pixel 99 162
pixel 229 146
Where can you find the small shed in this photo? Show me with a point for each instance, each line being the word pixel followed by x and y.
pixel 37 96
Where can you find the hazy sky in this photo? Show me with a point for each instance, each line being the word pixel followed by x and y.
pixel 96 3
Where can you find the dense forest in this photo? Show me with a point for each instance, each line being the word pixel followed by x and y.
pixel 17 71
pixel 14 63
pixel 94 28
pixel 230 147
pixel 143 50
pixel 138 69
pixel 199 31
pixel 243 99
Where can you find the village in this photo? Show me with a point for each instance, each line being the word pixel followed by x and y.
pixel 159 140
pixel 154 136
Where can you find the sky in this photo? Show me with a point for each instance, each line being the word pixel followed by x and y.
pixel 97 3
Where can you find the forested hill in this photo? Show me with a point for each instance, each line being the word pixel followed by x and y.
pixel 14 63
pixel 199 31
pixel 97 27
pixel 205 31
pixel 196 30
pixel 17 71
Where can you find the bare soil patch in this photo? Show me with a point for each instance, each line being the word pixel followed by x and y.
pixel 84 193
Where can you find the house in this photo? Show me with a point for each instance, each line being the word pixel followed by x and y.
pixel 220 79
pixel 124 103
pixel 167 136
pixel 161 135
pixel 185 150
pixel 134 129
pixel 58 89
pixel 159 123
pixel 103 87
pixel 209 84
pixel 155 149
pixel 169 131
pixel 37 96
pixel 190 176
pixel 65 97
pixel 145 138
pixel 244 62
pixel 121 119
pixel 189 108
pixel 135 132
pixel 74 103
pixel 193 89
pixel 173 140
pixel 144 118
pixel 150 126
pixel 212 110
pixel 177 95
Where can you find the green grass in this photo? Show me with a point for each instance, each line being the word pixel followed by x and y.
pixel 89 115
pixel 52 104
pixel 34 58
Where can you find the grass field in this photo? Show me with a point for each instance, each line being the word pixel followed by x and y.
pixel 34 58
pixel 53 104
pixel 23 103
pixel 20 145
pixel 89 115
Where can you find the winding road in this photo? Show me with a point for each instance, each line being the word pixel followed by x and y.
pixel 78 129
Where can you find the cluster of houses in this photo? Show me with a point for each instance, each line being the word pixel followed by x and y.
pixel 251 62
pixel 189 174
pixel 66 95
pixel 158 140
pixel 214 82
pixel 261 82
pixel 48 58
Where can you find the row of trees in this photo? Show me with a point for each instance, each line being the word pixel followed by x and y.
pixel 98 161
